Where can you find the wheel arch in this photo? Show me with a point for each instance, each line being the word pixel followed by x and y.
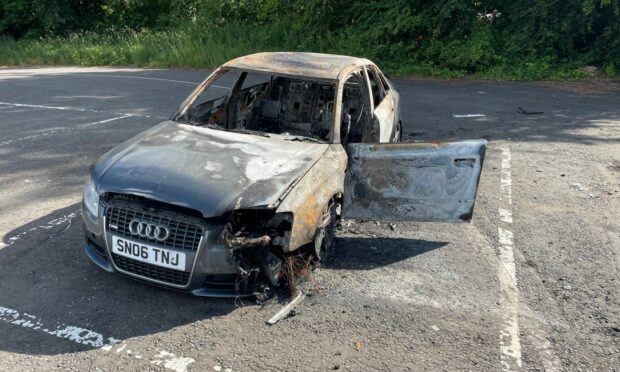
pixel 307 201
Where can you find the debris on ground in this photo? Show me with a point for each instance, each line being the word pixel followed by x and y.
pixel 357 345
pixel 577 186
pixel 286 310
pixel 525 112
pixel 435 328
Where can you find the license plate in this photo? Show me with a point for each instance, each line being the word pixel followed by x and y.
pixel 147 253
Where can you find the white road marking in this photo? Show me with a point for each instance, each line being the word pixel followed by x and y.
pixel 145 78
pixel 468 115
pixel 152 78
pixel 101 74
pixel 64 108
pixel 50 132
pixel 75 334
pixel 506 178
pixel 101 121
pixel 171 361
pixel 510 344
pixel 505 236
pixel 505 215
pixel 50 224
pixel 90 338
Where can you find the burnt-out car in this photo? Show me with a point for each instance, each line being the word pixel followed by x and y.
pixel 258 165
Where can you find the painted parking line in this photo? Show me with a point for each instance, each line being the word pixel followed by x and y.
pixel 140 77
pixel 58 221
pixel 75 334
pixel 510 344
pixel 158 79
pixel 143 77
pixel 50 132
pixel 65 108
pixel 86 337
pixel 152 78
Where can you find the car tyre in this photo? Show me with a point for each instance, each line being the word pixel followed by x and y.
pixel 398 133
pixel 323 243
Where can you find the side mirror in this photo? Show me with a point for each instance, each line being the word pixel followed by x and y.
pixel 345 128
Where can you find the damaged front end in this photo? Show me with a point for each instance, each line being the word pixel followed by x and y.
pixel 258 241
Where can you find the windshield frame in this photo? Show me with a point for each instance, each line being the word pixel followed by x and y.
pixel 202 87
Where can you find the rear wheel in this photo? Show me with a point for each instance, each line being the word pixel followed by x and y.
pixel 323 243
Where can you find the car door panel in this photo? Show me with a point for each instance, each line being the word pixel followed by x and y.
pixel 413 181
pixel 385 114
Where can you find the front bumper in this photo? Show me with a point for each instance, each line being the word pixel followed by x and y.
pixel 213 272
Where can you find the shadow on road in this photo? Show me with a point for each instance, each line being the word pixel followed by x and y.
pixel 45 273
pixel 356 253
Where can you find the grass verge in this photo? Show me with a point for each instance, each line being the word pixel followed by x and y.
pixel 200 46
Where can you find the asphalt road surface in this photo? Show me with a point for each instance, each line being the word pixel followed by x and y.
pixel 531 284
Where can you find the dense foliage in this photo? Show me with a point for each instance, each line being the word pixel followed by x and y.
pixel 491 38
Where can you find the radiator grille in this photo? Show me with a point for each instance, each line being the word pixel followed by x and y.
pixel 185 231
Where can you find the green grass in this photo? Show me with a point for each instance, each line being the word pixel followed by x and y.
pixel 194 45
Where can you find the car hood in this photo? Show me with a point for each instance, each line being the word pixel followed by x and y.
pixel 208 170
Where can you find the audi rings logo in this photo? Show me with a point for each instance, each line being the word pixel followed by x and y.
pixel 149 230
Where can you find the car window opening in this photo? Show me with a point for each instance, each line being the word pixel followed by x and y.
pixel 375 88
pixel 356 105
pixel 263 104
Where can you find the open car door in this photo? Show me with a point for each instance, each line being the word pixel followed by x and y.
pixel 413 181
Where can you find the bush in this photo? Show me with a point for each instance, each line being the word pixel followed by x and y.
pixel 488 38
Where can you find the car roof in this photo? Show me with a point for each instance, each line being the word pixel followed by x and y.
pixel 315 65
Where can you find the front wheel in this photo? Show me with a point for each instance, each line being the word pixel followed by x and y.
pixel 398 133
pixel 323 243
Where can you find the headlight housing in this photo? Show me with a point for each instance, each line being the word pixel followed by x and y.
pixel 256 227
pixel 91 199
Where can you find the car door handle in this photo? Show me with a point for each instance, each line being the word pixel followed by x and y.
pixel 465 162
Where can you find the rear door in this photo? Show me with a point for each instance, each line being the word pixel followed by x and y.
pixel 413 181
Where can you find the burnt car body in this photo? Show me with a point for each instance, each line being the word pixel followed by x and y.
pixel 258 164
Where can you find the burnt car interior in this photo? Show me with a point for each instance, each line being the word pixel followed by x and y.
pixel 356 122
pixel 264 103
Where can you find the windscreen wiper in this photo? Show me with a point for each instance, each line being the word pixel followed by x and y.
pixel 303 139
pixel 248 131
